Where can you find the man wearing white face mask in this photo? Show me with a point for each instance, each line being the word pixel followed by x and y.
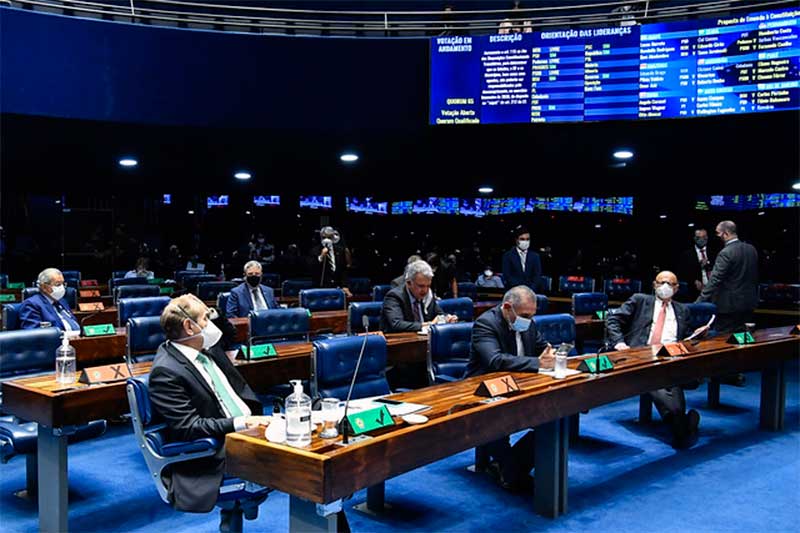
pixel 505 338
pixel 647 319
pixel 521 265
pixel 489 279
pixel 49 304
pixel 199 393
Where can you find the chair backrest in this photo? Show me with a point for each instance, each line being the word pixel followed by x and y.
pixel 333 362
pixel 448 349
pixel 3 281
pixel 11 316
pixel 113 283
pixel 292 287
pixel 570 284
pixel 467 290
pixel 700 314
pixel 357 310
pixel 180 274
pixel 545 284
pixel 463 308
pixel 322 299
pixel 191 281
pixel 542 304
pixel 71 295
pixel 209 290
pixel 556 328
pixel 379 291
pixel 271 280
pixel 621 288
pixel 359 285
pixel 136 307
pixel 135 291
pixel 280 324
pixel 779 294
pixel 71 274
pixel 222 302
pixel 28 350
pixel 683 291
pixel 144 337
pixel 586 303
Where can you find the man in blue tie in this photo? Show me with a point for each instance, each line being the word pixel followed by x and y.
pixel 49 304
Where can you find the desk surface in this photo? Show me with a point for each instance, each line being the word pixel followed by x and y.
pixel 324 472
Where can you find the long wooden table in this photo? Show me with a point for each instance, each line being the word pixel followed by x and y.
pixel 58 408
pixel 319 476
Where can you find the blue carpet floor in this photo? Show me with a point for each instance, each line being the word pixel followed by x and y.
pixel 623 477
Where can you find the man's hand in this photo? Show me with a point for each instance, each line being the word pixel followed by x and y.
pixel 451 318
pixel 547 359
pixel 256 421
pixel 621 346
pixel 698 285
pixel 323 253
pixel 347 292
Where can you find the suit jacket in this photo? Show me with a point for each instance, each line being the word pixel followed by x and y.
pixel 494 346
pixel 330 279
pixel 399 281
pixel 397 315
pixel 39 308
pixel 632 321
pixel 689 269
pixel 733 284
pixel 512 269
pixel 187 404
pixel 240 300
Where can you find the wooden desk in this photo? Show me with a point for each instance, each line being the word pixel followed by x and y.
pixel 90 351
pixel 324 473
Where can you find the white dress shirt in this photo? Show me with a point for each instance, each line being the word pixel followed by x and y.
pixel 670 331
pixel 700 253
pixel 520 346
pixel 191 354
pixel 523 255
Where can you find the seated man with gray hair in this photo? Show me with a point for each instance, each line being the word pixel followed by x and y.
pixel 49 304
pixel 411 307
pixel 251 295
pixel 505 339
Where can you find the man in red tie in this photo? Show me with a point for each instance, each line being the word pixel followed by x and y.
pixel 647 319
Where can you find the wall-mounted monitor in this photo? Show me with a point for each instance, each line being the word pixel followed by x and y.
pixel 217 201
pixel 366 205
pixel 316 202
pixel 261 200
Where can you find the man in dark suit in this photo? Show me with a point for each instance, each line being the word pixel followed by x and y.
pixel 505 338
pixel 640 322
pixel 49 304
pixel 733 283
pixel 199 393
pixel 412 306
pixel 696 263
pixel 251 294
pixel 400 280
pixel 521 265
pixel 328 262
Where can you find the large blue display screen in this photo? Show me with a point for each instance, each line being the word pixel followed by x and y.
pixel 743 63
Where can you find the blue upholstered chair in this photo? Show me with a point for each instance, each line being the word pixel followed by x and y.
pixel 138 307
pixel 557 329
pixel 117 274
pixel 71 274
pixel 700 314
pixel 11 316
pixel 333 362
pixel 322 299
pixel 71 295
pixel 135 291
pixel 271 280
pixel 683 292
pixel 448 351
pixel 621 289
pixel 463 308
pixel 240 497
pixel 779 294
pixel 144 337
pixel 191 281
pixel 357 310
pixel 209 290
pixel 180 274
pixel 292 287
pixel 3 281
pixel 359 285
pixel 279 325
pixel 587 303
pixel 222 302
pixel 379 291
pixel 542 304
pixel 113 283
pixel 467 290
pixel 545 284
pixel 571 284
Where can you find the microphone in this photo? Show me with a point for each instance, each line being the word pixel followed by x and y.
pixel 87 317
pixel 365 323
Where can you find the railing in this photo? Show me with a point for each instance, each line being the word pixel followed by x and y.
pixel 249 17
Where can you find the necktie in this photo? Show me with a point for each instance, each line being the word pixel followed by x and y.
pixel 332 257
pixel 520 345
pixel 417 308
pixel 69 323
pixel 258 302
pixel 222 392
pixel 523 256
pixel 655 337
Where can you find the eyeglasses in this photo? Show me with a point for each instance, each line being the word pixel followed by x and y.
pixel 666 282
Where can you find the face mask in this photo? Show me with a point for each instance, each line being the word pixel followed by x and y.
pixel 253 281
pixel 261 241
pixel 524 245
pixel 487 273
pixel 664 291
pixel 700 242
pixel 58 292
pixel 211 334
pixel 521 323
pixel 327 242
pixel 336 238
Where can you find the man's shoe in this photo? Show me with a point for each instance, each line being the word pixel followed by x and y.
pixel 688 436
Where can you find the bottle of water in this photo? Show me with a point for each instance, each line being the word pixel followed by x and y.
pixel 298 417
pixel 65 362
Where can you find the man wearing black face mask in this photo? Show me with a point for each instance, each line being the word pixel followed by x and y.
pixel 199 393
pixel 250 295
pixel 696 263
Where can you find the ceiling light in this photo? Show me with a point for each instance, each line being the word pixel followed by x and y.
pixel 662 217
pixel 242 175
pixel 623 154
pixel 349 157
pixel 190 212
pixel 485 190
pixel 128 162
pixel 690 224
pixel 796 186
